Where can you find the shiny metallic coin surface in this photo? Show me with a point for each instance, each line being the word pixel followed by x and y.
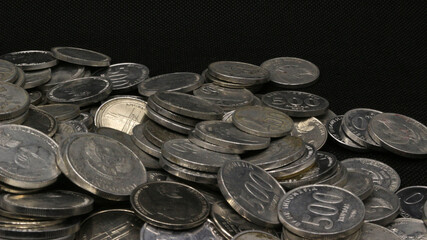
pixel 254 235
pixel 226 98
pixel 61 112
pixel 174 82
pixel 8 71
pixel 171 115
pixel 210 146
pixel 359 183
pixel 168 123
pixel 14 101
pixel 31 59
pixel 188 174
pixel 382 206
pixel 355 126
pixel 412 200
pixel 142 142
pixel 311 130
pixel 81 56
pixel 158 135
pixel 124 76
pixel 373 231
pixel 36 78
pixel 238 72
pixel 334 130
pixel 41 120
pixel 409 228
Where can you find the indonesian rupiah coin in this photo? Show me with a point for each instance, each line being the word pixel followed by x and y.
pixel 168 123
pixel 61 112
pixel 412 200
pixel 254 235
pixel 373 231
pixel 31 59
pixel 359 183
pixel 409 228
pixel 124 76
pixel 188 174
pixel 36 78
pixel 226 98
pixel 142 142
pixel 174 82
pixel 158 135
pixel 81 56
pixel 63 72
pixel 8 71
pixel 41 120
pixel 334 130
pixel 238 72
pixel 171 115
pixel 311 130
pixel 210 146
pixel 14 101
pixel 325 118
pixel 382 206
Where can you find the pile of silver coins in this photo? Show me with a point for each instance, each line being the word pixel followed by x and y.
pixel 193 156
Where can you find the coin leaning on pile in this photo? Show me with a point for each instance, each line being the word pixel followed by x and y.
pixel 193 156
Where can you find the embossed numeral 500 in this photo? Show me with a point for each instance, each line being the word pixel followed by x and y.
pixel 258 191
pixel 324 208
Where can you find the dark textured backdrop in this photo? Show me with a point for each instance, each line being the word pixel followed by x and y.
pixel 370 53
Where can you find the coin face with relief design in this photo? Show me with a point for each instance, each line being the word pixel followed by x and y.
pixel 412 200
pixel 8 71
pixel 311 130
pixel 124 76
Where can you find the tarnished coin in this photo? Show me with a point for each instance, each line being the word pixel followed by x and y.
pixel 63 72
pixel 315 211
pixel 262 121
pixel 158 135
pixel 339 178
pixel 81 56
pixel 157 175
pixel 227 135
pixel 14 101
pixel 31 59
pixel 142 142
pixel 188 174
pixel 238 72
pixel 188 105
pixel 334 130
pixel 80 91
pixel 373 231
pixel 412 200
pixel 281 152
pixel 28 157
pixel 171 115
pixel 111 224
pixel 291 72
pixel 226 98
pixel 251 191
pixel 409 228
pixel 170 205
pixel 124 76
pixel 399 134
pixel 36 97
pixel 51 204
pixel 86 119
pixel 168 123
pixel 254 235
pixel 8 71
pixel 21 78
pixel 325 118
pixel 175 82
pixel 213 147
pixel 287 235
pixel 228 116
pixel 41 120
pixel 382 206
pixel 16 120
pixel 381 174
pixel 68 128
pixel 101 165
pixel 61 112
pixel 359 183
pixel 36 78
pixel 121 113
pixel 311 130
pixel 296 104
pixel 425 213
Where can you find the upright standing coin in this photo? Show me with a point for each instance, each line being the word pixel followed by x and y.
pixel 81 56
pixel 125 76
pixel 251 191
pixel 409 228
pixel 170 205
pixel 373 231
pixel 226 98
pixel 254 235
pixel 412 200
pixel 175 82
pixel 291 72
pixel 41 120
pixel 334 130
pixel 381 207
pixel 238 72
pixel 8 71
pixel 61 112
pixel 355 126
pixel 36 78
pixel 311 130
pixel 31 60
pixel 14 101
pixel 359 183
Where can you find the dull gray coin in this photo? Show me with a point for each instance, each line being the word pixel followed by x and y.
pixel 81 56
pixel 382 206
pixel 359 183
pixel 36 97
pixel 157 175
pixel 63 72
pixel 171 115
pixel 41 120
pixel 124 76
pixel 311 130
pixel 8 71
pixel 254 235
pixel 188 174
pixel 213 147
pixel 373 231
pixel 68 128
pixel 36 78
pixel 86 119
pixel 61 112
pixel 334 130
pixel 158 135
pixel 409 228
pixel 31 59
pixel 21 78
pixel 142 142
pixel 226 98
pixel 325 118
pixel 168 123
pixel 14 101
pixel 176 82
pixel 238 72
pixel 16 120
pixel 412 200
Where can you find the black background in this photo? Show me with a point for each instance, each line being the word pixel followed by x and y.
pixel 371 54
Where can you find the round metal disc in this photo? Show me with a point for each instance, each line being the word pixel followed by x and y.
pixel 81 56
pixel 174 82
pixel 31 59
pixel 124 76
pixel 311 130
pixel 14 101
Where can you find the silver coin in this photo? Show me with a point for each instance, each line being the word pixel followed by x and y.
pixel 111 224
pixel 334 130
pixel 325 118
pixel 296 104
pixel 412 200
pixel 8 71
pixel 228 116
pixel 262 121
pixel 227 135
pixel 21 78
pixel 381 174
pixel 281 152
pixel 188 174
pixel 168 123
pixel 124 76
pixel 36 97
pixel 291 72
pixel 213 147
pixel 16 120
pixel 238 72
pixel 400 134
pixel 175 82
pixel 14 101
pixel 29 157
pixel 86 119
pixel 61 112
pixel 15 190
pixel 101 165
pixel 409 228
pixel 339 178
pixel 31 59
pixel 359 183
pixel 251 191
pixel 158 135
pixel 171 115
pixel 68 128
pixel 170 205
pixel 257 101
pixel 205 231
pixel 226 98
pixel 381 207
pixel 126 139
pixel 291 236
pixel 425 213
pixel 311 130
pixel 63 72
pixel 254 235
pixel 188 105
pixel 80 91
pixel 36 78
pixel 373 231
pixel 51 204
pixel 142 142
pixel 81 56
pixel 41 120
pixel 315 211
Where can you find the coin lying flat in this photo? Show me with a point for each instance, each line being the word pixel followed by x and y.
pixel 339 178
pixel 238 72
pixel 334 130
pixel 61 112
pixel 41 120
pixel 68 128
pixel 8 71
pixel 36 78
pixel 81 56
pixel 325 118
pixel 171 115
pixel 31 60
pixel 14 101
pixel 381 207
pixel 311 130
pixel 168 123
pixel 124 76
pixel 359 183
pixel 412 200
pixel 170 205
pixel 158 135
pixel 408 228
pixel 142 142
pixel 174 82
pixel 36 97
pixel 188 174
pixel 226 98
pixel 210 146
pixel 63 72
pixel 254 235
pixel 373 231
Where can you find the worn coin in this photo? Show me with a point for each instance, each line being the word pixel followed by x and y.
pixel 254 235
pixel 338 179
pixel 409 228
pixel 381 174
pixel 325 118
pixel 228 116
pixel 168 123
pixel 124 76
pixel 359 183
pixel 399 134
pixel 238 72
pixel 171 115
pixel 315 211
pixel 311 130
pixel 382 206
pixel 8 71
pixel 226 98
pixel 170 205
pixel 251 191
pixel 36 97
pixel 177 82
pixel 14 101
pixel 68 128
pixel 16 120
pixel 41 120
pixel 373 231
pixel 334 130
pixel 36 78
pixel 287 235
pixel 412 200
pixel 63 72
pixel 296 104
pixel 213 147
pixel 142 142
pixel 86 119
pixel 61 112
pixel 188 174
pixel 158 135
pixel 21 78
pixel 15 190
pixel 81 56
pixel 31 59
pixel 425 213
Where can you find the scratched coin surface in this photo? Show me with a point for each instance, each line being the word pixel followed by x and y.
pixel 226 98
pixel 373 231
pixel 31 59
pixel 334 131
pixel 382 206
pixel 81 56
pixel 41 120
pixel 124 76
pixel 36 78
pixel 142 142
pixel 254 235
pixel 262 121
pixel 14 101
pixel 111 224
pixel 251 192
pixel 121 113
pixel 8 71
pixel 28 157
pixel 359 183
pixel 61 112
pixel 409 228
pixel 174 82
pixel 170 205
pixel 238 72
pixel 412 200
pixel 311 130
pixel 315 211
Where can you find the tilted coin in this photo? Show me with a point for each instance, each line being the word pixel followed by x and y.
pixel 168 123
pixel 171 115
pixel 142 142
pixel 16 120
pixel 238 72
pixel 251 191
pixel 111 224
pixel 81 56
pixel 158 135
pixel 257 101
pixel 36 97
pixel 176 82
pixel 254 235
pixel 8 71
pixel 21 78
pixel 311 130
pixel 157 175
pixel 381 174
pixel 28 157
pixel 228 116
pixel 213 147
pixel 86 119
pixel 359 183
pixel 334 130
pixel 409 228
pixel 121 113
pixel 14 101
pixel 226 98
pixel 292 73
pixel 399 134
pixel 41 120
pixel 315 211
pixel 412 200
pixel 188 105
pixel 382 206
pixel 296 104
pixel 325 118
pixel 188 174
pixel 52 204
pixel 124 76
pixel 425 213
pixel 15 190
pixel 68 128
pixel 170 205
pixel 36 78
pixel 61 112
pixel 101 165
pixel 15 216
pixel 227 135
pixel 291 236
pixel 373 231
pixel 80 91
pixel 31 59
pixel 339 178
pixel 63 72
pixel 12 222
